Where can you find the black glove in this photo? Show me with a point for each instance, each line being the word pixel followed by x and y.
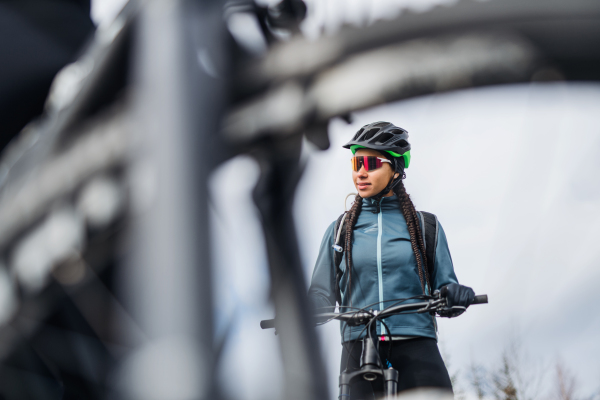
pixel 458 298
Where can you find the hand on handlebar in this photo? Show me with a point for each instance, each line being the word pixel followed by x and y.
pixel 458 298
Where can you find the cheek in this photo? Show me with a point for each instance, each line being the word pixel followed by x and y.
pixel 378 176
pixel 381 177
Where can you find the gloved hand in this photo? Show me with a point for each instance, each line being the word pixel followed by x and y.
pixel 458 298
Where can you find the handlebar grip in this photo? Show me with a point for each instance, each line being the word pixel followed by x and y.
pixel 480 299
pixel 267 324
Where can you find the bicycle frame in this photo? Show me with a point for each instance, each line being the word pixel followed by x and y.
pixel 370 370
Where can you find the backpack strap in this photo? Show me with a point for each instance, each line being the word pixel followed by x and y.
pixel 339 233
pixel 430 227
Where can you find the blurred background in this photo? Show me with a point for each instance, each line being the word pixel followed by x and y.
pixel 510 171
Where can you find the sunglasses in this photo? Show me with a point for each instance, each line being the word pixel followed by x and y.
pixel 369 162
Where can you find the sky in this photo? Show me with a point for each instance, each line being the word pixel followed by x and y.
pixel 511 173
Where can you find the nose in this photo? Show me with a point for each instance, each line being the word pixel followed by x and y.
pixel 362 172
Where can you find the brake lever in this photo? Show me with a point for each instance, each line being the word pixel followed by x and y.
pixel 432 306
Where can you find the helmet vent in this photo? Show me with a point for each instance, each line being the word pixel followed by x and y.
pixel 397 131
pixel 383 138
pixel 379 124
pixel 370 133
pixel 358 133
pixel 402 143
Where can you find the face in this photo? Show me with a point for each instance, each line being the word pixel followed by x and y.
pixel 369 183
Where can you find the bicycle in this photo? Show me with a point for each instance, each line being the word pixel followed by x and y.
pixel 371 366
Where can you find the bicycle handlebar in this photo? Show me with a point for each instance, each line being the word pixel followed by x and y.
pixel 267 323
pixel 363 317
pixel 480 299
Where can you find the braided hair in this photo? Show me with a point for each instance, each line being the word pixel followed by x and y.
pixel 416 236
pixel 350 223
pixel 414 229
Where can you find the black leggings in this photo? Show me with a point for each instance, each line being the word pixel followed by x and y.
pixel 417 360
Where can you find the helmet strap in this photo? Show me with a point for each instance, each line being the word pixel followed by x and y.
pixel 391 184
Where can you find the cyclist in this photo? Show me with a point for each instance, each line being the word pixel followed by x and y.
pixel 384 259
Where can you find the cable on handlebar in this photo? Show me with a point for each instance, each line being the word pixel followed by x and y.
pixel 364 308
pixel 345 313
pixel 398 301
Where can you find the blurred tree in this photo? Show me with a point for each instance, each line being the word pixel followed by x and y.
pixel 565 382
pixel 478 379
pixel 504 380
pixel 516 377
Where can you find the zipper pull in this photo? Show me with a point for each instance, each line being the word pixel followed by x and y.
pixel 377 206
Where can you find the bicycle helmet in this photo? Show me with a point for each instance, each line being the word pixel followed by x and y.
pixel 385 137
pixel 390 140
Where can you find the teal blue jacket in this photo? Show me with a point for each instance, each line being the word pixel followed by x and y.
pixel 385 268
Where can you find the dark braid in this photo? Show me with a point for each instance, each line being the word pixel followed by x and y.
pixel 414 229
pixel 351 219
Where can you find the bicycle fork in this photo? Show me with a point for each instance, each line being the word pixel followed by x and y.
pixel 370 370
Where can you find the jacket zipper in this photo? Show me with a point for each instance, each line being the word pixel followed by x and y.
pixel 379 266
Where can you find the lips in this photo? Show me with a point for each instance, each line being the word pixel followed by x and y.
pixel 362 186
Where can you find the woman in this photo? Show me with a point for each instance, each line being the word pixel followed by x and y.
pixel 384 259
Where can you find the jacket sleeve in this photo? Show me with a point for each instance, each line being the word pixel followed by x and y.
pixel 443 273
pixel 322 286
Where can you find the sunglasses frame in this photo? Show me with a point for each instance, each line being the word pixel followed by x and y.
pixel 362 163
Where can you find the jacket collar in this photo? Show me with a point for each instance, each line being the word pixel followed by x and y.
pixel 387 203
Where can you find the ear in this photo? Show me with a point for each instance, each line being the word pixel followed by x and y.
pixel 396 175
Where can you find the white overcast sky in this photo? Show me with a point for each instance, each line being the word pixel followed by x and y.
pixel 511 172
